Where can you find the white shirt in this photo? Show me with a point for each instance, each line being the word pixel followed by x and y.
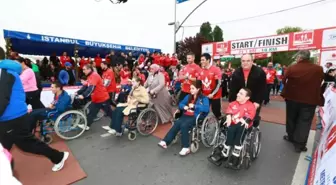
pixel 6 174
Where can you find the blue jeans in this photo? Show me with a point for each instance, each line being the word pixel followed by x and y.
pixel 94 108
pixel 184 124
pixel 117 119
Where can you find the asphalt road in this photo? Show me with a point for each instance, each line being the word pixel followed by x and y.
pixel 117 161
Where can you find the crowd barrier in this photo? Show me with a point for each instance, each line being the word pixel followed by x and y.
pixel 322 170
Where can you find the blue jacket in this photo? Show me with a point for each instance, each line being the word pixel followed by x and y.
pixel 63 77
pixel 62 104
pixel 12 97
pixel 201 106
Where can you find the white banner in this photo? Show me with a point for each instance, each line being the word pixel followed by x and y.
pixel 323 170
pixel 47 96
pixel 260 45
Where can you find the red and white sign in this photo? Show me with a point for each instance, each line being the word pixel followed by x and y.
pixel 322 170
pixel 260 45
pixel 221 49
pixel 328 56
pixel 303 38
pixel 260 55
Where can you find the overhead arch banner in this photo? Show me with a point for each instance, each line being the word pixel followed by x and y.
pixel 324 39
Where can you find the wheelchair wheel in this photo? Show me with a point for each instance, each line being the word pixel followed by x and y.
pixel 147 121
pixel 66 125
pixel 100 114
pixel 132 135
pixel 210 129
pixel 255 144
pixel 194 146
pixel 47 138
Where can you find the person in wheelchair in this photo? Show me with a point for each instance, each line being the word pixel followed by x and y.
pixel 191 106
pixel 239 118
pixel 60 104
pixel 138 95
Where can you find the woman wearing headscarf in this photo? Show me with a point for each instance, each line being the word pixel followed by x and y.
pixel 160 96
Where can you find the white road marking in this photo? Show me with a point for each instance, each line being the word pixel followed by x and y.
pixel 105 135
pixel 300 174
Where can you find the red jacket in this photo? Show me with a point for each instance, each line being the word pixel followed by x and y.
pixel 270 75
pixel 109 75
pixel 98 61
pixel 238 111
pixel 173 61
pixel 167 62
pixel 167 79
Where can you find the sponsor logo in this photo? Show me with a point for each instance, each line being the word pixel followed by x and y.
pixel 329 38
pixel 303 38
pixel 206 83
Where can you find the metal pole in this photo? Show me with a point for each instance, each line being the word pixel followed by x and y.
pixel 175 5
pixel 176 30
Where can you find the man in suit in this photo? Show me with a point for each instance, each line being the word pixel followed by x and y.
pixel 302 92
pixel 251 77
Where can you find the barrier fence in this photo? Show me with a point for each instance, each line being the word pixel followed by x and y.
pixel 322 170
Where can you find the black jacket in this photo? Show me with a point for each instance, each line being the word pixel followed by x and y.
pixel 256 82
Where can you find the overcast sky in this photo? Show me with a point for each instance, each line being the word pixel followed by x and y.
pixel 145 22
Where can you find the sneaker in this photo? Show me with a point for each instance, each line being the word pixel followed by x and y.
pixel 107 128
pixel 163 144
pixel 59 166
pixel 118 134
pixel 184 151
pixel 84 128
pixel 112 131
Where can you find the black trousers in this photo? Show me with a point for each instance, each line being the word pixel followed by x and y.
pixel 299 117
pixel 18 132
pixel 235 135
pixel 216 107
pixel 268 92
pixel 94 108
pixel 33 98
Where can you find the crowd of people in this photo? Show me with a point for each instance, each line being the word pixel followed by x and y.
pixel 119 83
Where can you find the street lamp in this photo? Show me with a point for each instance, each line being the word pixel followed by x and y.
pixel 177 25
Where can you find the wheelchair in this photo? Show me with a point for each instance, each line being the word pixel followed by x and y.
pixel 64 125
pixel 142 119
pixel 199 131
pixel 249 152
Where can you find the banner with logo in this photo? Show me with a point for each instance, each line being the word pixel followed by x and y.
pixel 328 55
pixel 322 169
pixel 260 45
pixel 324 39
pixel 221 49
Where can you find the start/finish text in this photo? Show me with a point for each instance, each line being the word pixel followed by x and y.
pixel 260 42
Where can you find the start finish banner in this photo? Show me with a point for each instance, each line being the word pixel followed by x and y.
pixel 324 38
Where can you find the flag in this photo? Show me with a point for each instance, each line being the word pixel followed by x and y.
pixel 181 1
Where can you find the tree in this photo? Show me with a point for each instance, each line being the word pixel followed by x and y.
pixel 191 44
pixel 285 58
pixel 217 34
pixel 206 31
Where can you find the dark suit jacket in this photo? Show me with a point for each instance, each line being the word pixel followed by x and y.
pixel 256 82
pixel 302 83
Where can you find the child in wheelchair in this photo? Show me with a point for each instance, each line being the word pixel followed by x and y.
pixel 191 106
pixel 239 118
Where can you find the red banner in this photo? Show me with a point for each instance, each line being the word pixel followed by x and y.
pixel 260 55
pixel 221 48
pixel 324 38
